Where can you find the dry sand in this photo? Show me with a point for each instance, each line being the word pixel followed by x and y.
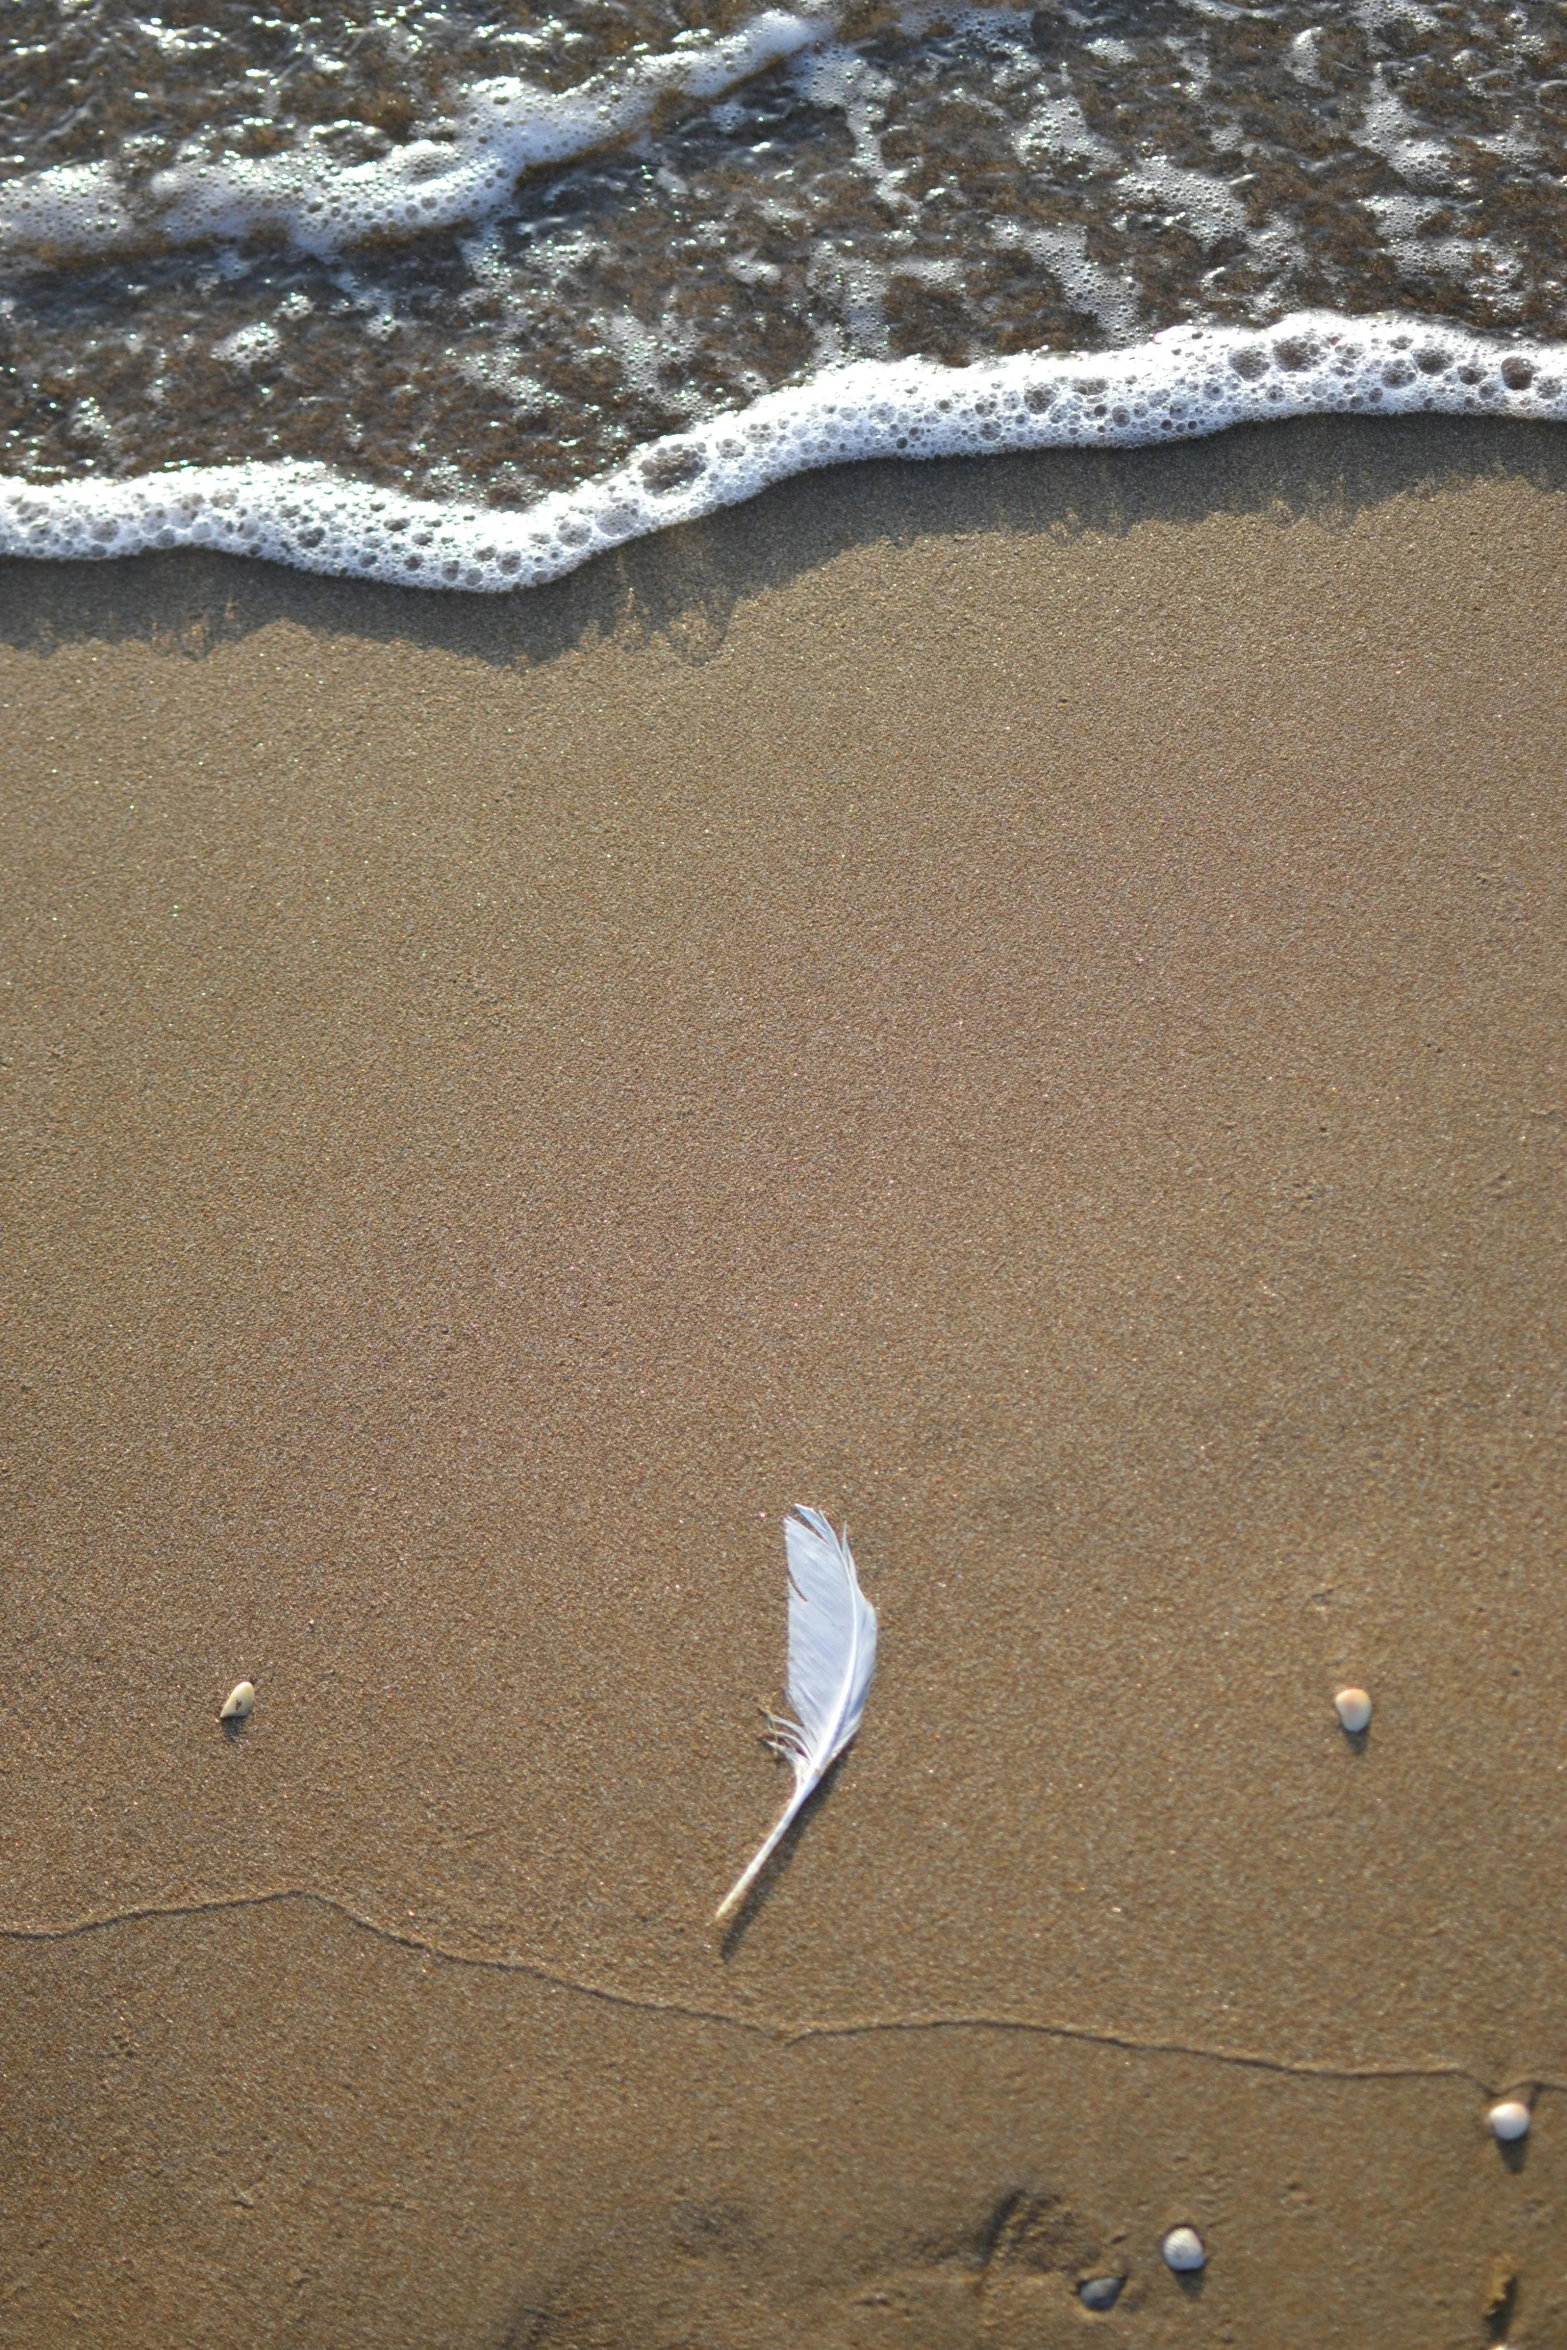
pixel 1020 1003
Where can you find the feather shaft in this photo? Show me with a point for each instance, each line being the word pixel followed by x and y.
pixel 754 1867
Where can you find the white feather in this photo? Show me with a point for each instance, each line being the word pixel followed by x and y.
pixel 832 1655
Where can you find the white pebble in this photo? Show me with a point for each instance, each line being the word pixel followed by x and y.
pixel 1353 1707
pixel 237 1704
pixel 1509 2118
pixel 1183 2249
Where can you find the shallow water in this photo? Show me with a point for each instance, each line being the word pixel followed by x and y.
pixel 479 257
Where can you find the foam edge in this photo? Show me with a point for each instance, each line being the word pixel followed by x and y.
pixel 1184 384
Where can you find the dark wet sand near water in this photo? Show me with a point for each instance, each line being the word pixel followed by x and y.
pixel 1020 1003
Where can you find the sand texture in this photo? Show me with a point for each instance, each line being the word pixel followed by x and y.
pixel 1019 1003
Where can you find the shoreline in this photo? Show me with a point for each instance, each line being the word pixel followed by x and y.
pixel 685 583
pixel 1188 382
pixel 1018 1003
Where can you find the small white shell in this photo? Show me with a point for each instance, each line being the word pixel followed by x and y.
pixel 1184 2250
pixel 1509 2118
pixel 237 1704
pixel 1353 1707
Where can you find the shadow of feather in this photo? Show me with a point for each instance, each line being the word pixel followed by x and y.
pixel 780 1862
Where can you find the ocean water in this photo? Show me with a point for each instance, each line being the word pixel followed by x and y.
pixel 460 294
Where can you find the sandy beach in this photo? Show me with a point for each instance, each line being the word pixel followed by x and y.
pixel 1019 1003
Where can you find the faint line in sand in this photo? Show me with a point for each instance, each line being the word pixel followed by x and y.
pixel 782 2035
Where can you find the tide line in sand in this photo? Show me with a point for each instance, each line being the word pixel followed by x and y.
pixel 782 2034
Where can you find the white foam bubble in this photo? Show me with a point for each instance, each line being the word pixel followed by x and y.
pixel 74 208
pixel 1205 205
pixel 1180 385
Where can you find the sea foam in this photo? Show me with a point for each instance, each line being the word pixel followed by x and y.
pixel 462 171
pixel 1180 385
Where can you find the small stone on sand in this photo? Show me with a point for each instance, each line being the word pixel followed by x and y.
pixel 237 1704
pixel 1509 2118
pixel 1100 2292
pixel 1183 2250
pixel 1353 1708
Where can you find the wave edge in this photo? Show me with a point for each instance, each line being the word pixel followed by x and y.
pixel 1188 383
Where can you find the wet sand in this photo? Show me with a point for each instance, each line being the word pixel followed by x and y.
pixel 1021 1004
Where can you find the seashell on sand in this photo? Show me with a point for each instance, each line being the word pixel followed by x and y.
pixel 1353 1707
pixel 1184 2251
pixel 1509 2118
pixel 238 1703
